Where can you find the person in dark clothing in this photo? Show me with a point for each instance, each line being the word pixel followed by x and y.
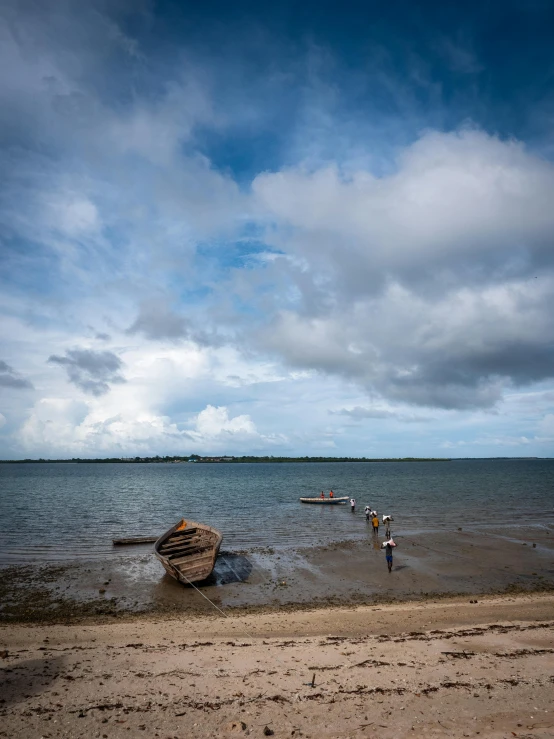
pixel 388 554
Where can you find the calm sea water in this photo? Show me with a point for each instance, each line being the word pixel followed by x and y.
pixel 56 512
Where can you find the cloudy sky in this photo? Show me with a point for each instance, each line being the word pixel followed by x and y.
pixel 306 228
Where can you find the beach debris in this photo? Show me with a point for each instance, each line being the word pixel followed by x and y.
pixel 371 663
pixel 134 540
pixel 4 654
pixel 460 655
pixel 236 726
pixel 268 731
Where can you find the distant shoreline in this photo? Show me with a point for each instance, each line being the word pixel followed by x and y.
pixel 219 460
pixel 196 459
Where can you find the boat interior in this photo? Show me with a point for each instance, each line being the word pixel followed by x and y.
pixel 189 549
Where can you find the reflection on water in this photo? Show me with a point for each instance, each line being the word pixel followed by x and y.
pixel 56 512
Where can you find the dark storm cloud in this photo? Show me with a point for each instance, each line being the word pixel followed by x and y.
pixel 474 377
pixel 10 378
pixel 90 370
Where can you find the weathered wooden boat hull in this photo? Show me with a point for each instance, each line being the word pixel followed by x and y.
pixel 325 501
pixel 188 550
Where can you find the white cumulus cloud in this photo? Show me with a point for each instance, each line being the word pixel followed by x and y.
pixel 432 285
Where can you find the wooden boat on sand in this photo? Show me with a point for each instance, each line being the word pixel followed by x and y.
pixel 188 550
pixel 325 501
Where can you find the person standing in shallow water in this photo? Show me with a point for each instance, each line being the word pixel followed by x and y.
pixel 388 555
pixel 375 522
pixel 367 512
pixel 352 504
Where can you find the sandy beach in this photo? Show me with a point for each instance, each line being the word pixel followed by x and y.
pixel 453 667
pixel 309 642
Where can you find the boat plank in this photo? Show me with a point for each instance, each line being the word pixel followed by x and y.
pixel 182 534
pixel 201 574
pixel 189 558
pixel 195 557
pixel 166 549
pixel 198 565
pixel 187 548
pixel 188 562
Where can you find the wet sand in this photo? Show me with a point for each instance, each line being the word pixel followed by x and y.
pixel 448 668
pixel 347 573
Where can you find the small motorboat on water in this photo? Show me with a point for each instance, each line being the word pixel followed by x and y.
pixel 325 501
pixel 188 550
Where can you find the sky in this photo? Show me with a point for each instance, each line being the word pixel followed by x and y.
pixel 285 229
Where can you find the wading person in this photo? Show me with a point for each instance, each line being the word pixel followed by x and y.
pixel 388 553
pixel 367 511
pixel 387 521
pixel 375 522
pixel 352 504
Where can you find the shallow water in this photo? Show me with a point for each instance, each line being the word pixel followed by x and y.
pixel 62 512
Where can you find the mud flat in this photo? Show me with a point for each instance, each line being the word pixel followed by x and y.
pixel 449 668
pixel 264 579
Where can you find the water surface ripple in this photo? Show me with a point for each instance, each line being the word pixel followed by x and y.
pixel 59 512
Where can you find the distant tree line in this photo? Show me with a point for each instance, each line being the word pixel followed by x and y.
pixel 220 460
pixel 250 459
